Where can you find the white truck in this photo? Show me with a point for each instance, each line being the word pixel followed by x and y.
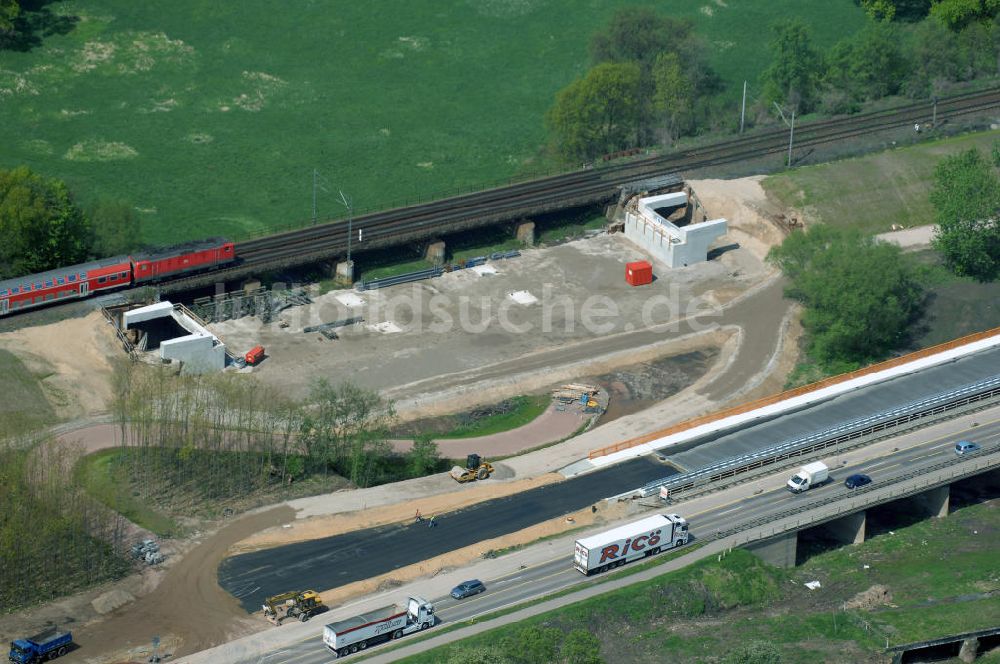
pixel 390 622
pixel 632 541
pixel 809 475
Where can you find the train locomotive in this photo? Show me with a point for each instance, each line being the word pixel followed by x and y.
pixel 79 281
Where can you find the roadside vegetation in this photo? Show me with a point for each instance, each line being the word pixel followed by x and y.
pixel 865 300
pixel 933 578
pixel 483 421
pixel 656 88
pixel 54 540
pixel 209 446
pixel 860 297
pixel 44 228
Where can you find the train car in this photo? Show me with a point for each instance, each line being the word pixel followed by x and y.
pixel 74 281
pixel 190 257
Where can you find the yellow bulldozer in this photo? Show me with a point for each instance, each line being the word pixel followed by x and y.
pixel 476 468
pixel 301 604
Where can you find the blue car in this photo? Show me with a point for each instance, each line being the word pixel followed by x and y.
pixel 965 447
pixel 857 480
pixel 467 589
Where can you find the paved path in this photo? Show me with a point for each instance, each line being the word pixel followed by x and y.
pixel 919 236
pixel 551 426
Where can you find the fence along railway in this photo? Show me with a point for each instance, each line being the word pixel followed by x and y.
pixel 406 224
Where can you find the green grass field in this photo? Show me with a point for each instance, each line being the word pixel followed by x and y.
pixel 98 475
pixel 31 409
pixel 210 117
pixel 876 191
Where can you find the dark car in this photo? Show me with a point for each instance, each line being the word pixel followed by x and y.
pixel 965 447
pixel 467 589
pixel 857 480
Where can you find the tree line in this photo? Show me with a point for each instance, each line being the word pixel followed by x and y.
pixel 650 82
pixel 44 227
pixel 862 296
pixel 222 437
pixel 54 540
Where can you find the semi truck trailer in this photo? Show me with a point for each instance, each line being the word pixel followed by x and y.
pixel 390 622
pixel 633 541
pixel 810 475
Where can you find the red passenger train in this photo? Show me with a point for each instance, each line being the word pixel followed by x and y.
pixel 78 281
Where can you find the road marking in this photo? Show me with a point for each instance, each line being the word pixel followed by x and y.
pixel 516 575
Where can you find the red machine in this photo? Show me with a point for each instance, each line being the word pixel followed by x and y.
pixel 639 273
pixel 78 281
pixel 254 355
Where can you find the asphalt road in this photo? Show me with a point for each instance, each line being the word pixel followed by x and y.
pixel 844 408
pixel 342 559
pixel 558 573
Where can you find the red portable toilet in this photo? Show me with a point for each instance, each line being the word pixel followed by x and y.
pixel 639 273
pixel 254 355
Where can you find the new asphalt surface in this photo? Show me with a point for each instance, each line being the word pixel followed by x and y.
pixel 848 407
pixel 335 561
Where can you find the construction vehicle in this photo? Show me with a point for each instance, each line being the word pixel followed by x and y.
pixel 476 468
pixel 49 644
pixel 295 604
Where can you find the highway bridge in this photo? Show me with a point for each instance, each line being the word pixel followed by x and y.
pixel 944 390
pixel 914 473
pixel 951 374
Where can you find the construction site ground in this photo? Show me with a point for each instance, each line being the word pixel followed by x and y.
pixel 750 326
pixel 469 338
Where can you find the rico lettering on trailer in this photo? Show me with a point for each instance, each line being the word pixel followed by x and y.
pixel 638 544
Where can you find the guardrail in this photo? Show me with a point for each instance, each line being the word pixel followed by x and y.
pixel 430 272
pixel 129 347
pixel 976 393
pixel 986 459
pixel 798 391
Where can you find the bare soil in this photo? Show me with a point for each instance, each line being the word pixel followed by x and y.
pixel 187 605
pixel 73 359
pixel 636 387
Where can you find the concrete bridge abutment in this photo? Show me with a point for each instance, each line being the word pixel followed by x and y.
pixel 848 529
pixel 526 233
pixel 435 252
pixel 779 551
pixel 935 502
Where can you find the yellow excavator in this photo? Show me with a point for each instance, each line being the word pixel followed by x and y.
pixel 476 468
pixel 301 604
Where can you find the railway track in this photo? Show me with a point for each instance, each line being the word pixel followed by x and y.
pixel 400 225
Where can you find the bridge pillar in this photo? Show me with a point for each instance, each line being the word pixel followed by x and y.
pixel 969 650
pixel 849 529
pixel 779 551
pixel 344 272
pixel 435 252
pixel 934 502
pixel 526 233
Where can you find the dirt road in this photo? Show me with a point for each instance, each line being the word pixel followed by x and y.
pixel 188 602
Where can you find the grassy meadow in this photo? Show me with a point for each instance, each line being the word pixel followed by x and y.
pixel 210 117
pixel 873 192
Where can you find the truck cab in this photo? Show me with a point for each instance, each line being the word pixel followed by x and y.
pixel 809 476
pixel 681 535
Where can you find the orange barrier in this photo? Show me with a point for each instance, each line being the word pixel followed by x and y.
pixel 788 394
